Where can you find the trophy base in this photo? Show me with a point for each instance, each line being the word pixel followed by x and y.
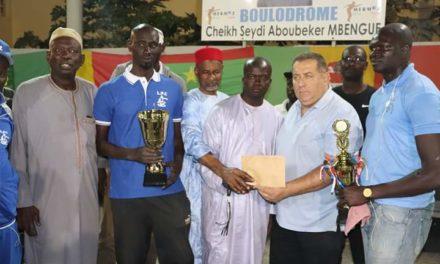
pixel 155 179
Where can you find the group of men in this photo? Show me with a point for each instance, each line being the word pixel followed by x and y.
pixel 210 210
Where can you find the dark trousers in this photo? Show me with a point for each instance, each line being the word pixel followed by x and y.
pixel 289 247
pixel 356 245
pixel 167 216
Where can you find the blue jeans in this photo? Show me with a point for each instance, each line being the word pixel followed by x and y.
pixel 395 234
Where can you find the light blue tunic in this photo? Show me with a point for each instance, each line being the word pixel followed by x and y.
pixel 196 108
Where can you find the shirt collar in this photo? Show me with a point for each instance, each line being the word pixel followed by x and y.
pixel 401 78
pixel 161 68
pixel 132 79
pixel 325 98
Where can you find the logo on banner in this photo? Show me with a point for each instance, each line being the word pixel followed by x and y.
pixel 217 13
pixel 357 9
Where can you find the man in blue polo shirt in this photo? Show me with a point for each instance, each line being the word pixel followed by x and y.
pixel 138 210
pixel 10 246
pixel 402 152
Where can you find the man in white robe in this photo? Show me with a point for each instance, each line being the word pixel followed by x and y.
pixel 54 152
pixel 235 217
pixel 196 107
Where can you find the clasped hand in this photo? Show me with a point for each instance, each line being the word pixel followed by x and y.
pixel 237 180
pixel 147 155
pixel 351 195
pixel 28 218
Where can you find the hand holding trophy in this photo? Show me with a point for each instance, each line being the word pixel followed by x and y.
pixel 154 124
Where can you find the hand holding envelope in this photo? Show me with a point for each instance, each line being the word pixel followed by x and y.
pixel 267 171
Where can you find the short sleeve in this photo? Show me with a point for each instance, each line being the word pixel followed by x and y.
pixel 423 111
pixel 179 105
pixel 103 106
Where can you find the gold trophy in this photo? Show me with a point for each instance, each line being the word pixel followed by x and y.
pixel 343 166
pixel 154 125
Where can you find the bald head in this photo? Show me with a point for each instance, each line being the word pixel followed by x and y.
pixel 400 32
pixel 256 80
pixel 148 28
pixel 391 50
pixel 257 62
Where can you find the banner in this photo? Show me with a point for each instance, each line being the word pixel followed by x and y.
pixel 182 64
pixel 291 19
pixel 98 66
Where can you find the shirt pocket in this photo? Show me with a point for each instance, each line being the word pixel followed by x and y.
pixel 88 129
pixel 312 141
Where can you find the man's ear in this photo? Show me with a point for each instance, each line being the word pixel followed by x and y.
pixel 327 77
pixel 405 49
pixel 83 58
pixel 162 47
pixel 196 70
pixel 47 55
pixel 129 44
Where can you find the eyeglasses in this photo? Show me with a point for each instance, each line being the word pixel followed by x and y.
pixel 355 60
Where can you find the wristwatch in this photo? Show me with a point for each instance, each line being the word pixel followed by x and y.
pixel 367 193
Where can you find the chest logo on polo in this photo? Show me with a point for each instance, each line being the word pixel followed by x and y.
pixel 163 98
pixel 4 138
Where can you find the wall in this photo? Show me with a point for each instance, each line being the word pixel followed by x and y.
pixel 28 15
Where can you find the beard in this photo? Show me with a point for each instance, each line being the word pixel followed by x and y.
pixel 146 65
pixel 353 77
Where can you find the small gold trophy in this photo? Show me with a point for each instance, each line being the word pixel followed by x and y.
pixel 154 125
pixel 344 167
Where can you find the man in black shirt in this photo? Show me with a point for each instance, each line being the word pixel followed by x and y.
pixel 353 90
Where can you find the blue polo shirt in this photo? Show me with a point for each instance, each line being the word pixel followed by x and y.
pixel 117 104
pixel 8 175
pixel 400 110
